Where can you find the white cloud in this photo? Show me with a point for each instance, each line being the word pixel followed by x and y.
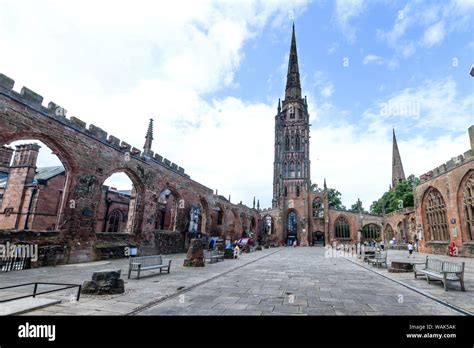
pixel 116 65
pixel 377 60
pixel 434 20
pixel 345 11
pixel 321 82
pixel 434 34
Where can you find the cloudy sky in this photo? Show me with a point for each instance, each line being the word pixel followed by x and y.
pixel 210 74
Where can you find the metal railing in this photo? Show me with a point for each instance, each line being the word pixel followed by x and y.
pixel 35 290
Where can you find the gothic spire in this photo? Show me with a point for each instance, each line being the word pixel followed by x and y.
pixel 325 186
pixel 293 86
pixel 398 175
pixel 148 137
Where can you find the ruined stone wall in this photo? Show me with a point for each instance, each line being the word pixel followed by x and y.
pixel 90 156
pixel 450 182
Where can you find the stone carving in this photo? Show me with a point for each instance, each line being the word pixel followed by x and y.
pixel 85 185
pixel 194 219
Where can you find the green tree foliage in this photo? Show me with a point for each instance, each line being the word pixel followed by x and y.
pixel 395 199
pixel 357 207
pixel 334 196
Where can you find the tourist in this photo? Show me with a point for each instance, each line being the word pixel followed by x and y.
pixel 236 251
pixel 294 243
pixel 382 245
pixel 410 249
pixel 452 250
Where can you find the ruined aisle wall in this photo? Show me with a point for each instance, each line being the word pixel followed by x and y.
pixel 90 156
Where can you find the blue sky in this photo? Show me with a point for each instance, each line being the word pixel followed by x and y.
pixel 210 73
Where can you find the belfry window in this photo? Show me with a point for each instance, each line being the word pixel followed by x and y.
pixel 298 143
pixel 287 143
pixel 292 169
pixel 297 191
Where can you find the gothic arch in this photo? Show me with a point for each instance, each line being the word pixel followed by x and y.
pixel 465 201
pixel 318 208
pixel 137 198
pixel 389 233
pixel 342 229
pixel 169 216
pixel 434 215
pixel 371 231
pixel 64 157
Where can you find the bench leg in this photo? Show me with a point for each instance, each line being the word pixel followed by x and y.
pixel 428 279
pixel 461 280
pixel 138 272
pixel 445 283
pixel 129 272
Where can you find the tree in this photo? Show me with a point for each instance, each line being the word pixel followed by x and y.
pixel 334 198
pixel 357 207
pixel 397 198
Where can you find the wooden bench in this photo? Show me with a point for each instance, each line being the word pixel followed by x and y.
pixel 142 263
pixel 379 259
pixel 213 255
pixel 444 271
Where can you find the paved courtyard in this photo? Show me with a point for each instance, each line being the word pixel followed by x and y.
pixel 277 281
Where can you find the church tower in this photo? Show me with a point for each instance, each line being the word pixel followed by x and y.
pixel 291 178
pixel 398 175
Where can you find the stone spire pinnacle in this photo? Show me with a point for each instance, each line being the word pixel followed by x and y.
pixel 325 186
pixel 293 86
pixel 148 137
pixel 398 175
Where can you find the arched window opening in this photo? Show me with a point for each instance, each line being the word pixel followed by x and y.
pixel 435 215
pixel 115 221
pixel 166 216
pixel 33 184
pixel 342 230
pixel 292 169
pixel 389 232
pixel 118 196
pixel 318 208
pixel 292 227
pixel 371 231
pixel 468 201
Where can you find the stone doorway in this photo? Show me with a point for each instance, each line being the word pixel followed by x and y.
pixel 318 238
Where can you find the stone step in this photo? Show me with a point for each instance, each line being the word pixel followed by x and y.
pixel 25 305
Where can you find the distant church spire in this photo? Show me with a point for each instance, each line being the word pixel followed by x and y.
pixel 398 175
pixel 148 137
pixel 293 86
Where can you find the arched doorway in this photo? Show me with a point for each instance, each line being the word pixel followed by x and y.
pixel 118 206
pixel 318 239
pixel 291 227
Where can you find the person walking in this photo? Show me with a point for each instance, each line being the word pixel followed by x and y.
pixel 410 249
